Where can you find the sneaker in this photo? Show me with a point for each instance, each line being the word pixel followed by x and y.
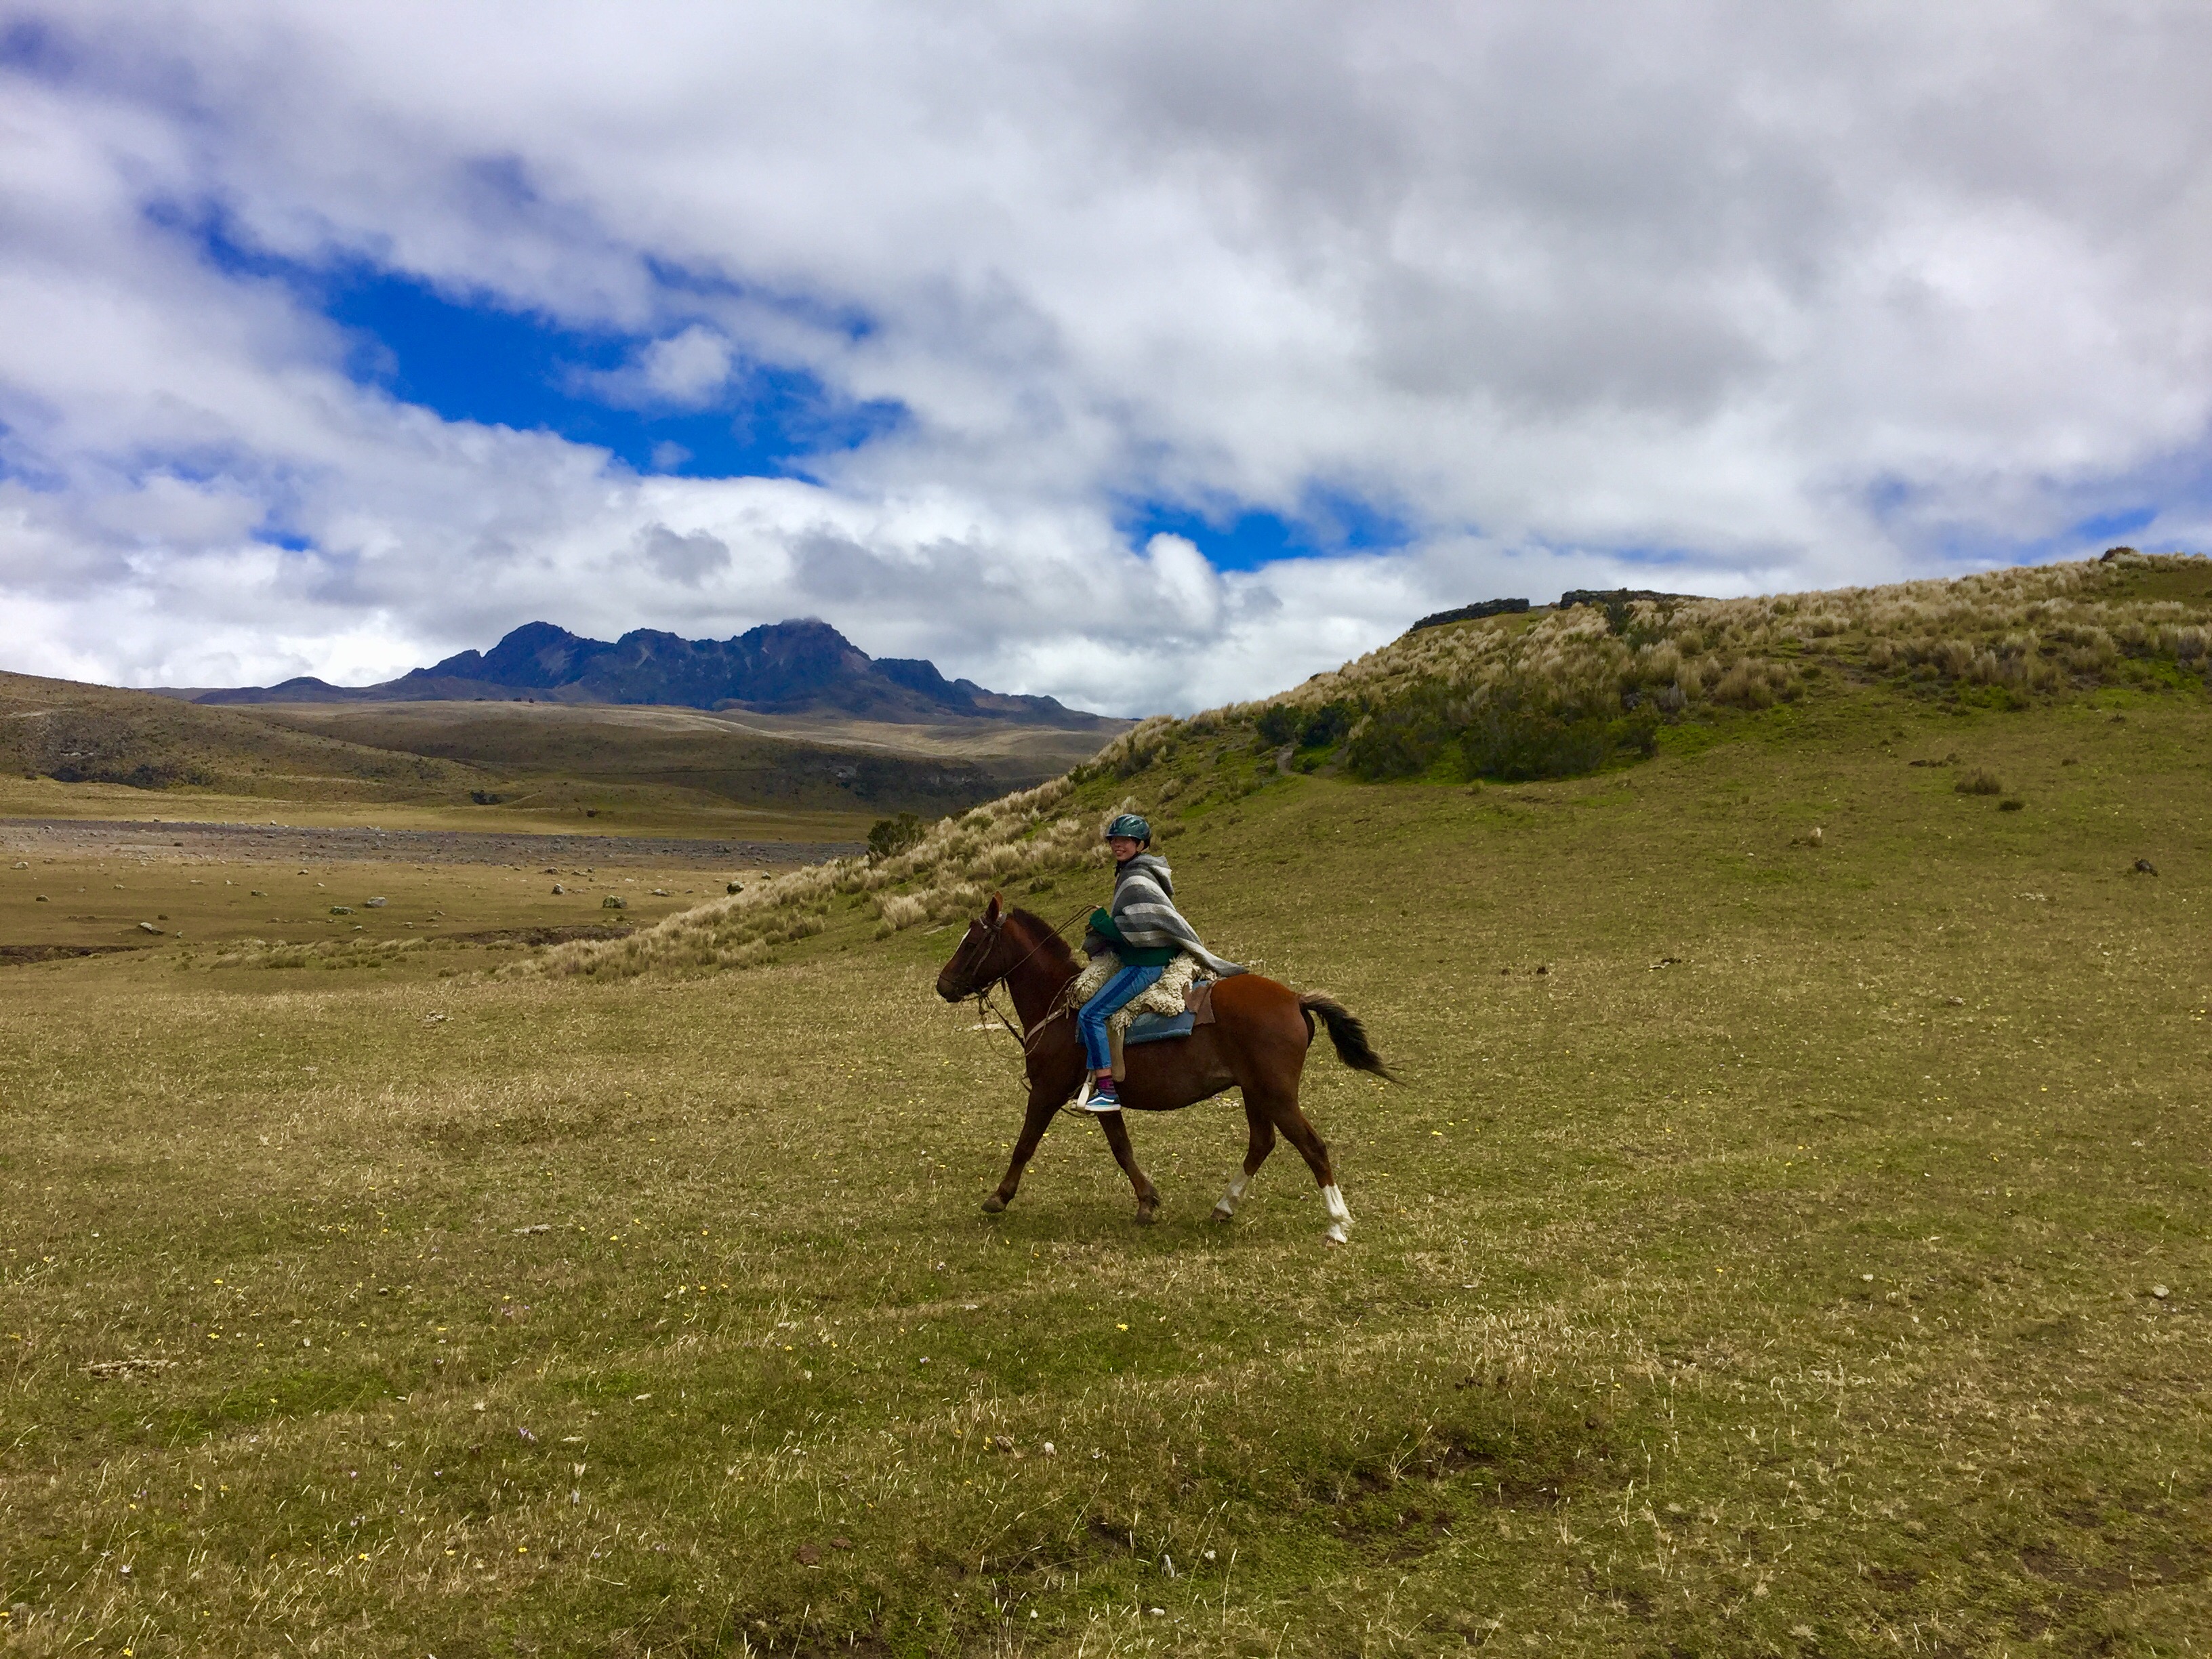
pixel 1101 1099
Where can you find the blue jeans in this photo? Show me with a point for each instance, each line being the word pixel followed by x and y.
pixel 1113 996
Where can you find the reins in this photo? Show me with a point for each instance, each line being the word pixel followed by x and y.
pixel 988 1005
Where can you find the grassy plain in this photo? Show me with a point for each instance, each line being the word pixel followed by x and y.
pixel 1763 1257
pixel 562 758
pixel 530 732
pixel 201 902
pixel 624 813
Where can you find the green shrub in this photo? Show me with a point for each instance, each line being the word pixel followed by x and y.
pixel 1326 726
pixel 1518 736
pixel 1515 730
pixel 890 837
pixel 1403 738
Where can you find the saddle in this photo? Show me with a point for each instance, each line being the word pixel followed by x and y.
pixel 1197 1011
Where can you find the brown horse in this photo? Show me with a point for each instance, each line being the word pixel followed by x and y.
pixel 1257 1043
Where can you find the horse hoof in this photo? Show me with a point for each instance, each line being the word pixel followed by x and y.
pixel 1146 1218
pixel 993 1204
pixel 1222 1216
pixel 1336 1234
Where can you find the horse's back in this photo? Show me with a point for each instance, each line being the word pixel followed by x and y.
pixel 1252 1004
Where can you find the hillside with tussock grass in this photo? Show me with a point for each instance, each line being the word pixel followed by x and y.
pixel 1517 697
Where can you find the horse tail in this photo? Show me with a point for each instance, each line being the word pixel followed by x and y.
pixel 1345 1031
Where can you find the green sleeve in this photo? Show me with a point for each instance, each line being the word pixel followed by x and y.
pixel 1102 923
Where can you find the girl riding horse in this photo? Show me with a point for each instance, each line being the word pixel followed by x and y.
pixel 1143 928
pixel 1257 1043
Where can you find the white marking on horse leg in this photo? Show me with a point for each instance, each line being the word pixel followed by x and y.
pixel 1340 1216
pixel 1226 1205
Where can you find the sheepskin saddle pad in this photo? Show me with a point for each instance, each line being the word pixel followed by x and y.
pixel 1168 999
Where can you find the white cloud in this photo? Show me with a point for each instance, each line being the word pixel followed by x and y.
pixel 1772 296
pixel 687 369
pixel 686 559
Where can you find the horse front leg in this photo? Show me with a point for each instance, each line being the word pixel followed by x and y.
pixel 1117 1137
pixel 1262 1143
pixel 1044 1105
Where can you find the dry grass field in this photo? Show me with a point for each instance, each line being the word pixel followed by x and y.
pixel 142 893
pixel 1776 1248
pixel 639 813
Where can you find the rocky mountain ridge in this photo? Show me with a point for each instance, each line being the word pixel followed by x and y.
pixel 801 666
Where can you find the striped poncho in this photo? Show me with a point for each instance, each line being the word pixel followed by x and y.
pixel 1144 913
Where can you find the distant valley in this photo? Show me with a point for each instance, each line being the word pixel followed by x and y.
pixel 650 730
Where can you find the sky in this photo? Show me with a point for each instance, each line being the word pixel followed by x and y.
pixel 1148 355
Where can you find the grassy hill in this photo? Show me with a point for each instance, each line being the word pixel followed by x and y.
pixel 79 733
pixel 1532 696
pixel 1779 1245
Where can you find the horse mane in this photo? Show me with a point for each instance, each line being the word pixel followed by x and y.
pixel 1049 946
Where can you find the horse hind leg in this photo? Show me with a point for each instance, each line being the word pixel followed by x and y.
pixel 1302 1135
pixel 1262 1143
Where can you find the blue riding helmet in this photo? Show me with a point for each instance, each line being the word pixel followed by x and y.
pixel 1131 825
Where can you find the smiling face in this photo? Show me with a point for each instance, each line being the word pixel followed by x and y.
pixel 1124 847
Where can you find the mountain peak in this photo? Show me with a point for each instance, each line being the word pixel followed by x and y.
pixel 800 665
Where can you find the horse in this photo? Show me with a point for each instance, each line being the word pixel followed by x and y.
pixel 1257 1043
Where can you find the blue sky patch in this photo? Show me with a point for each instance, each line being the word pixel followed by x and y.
pixel 473 359
pixel 2099 526
pixel 477 362
pixel 30 46
pixel 1236 537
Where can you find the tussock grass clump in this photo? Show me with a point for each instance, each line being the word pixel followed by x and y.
pixel 1980 781
pixel 315 953
pixel 897 911
pixel 382 953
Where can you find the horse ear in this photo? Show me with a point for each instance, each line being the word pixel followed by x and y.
pixel 997 904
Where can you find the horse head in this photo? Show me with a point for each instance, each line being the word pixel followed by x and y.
pixel 981 961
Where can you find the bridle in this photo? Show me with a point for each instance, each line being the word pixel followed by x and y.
pixel 992 930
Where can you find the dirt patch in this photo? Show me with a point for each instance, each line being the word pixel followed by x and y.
pixel 2046 1563
pixel 16 956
